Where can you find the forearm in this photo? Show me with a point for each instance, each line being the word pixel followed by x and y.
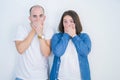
pixel 59 44
pixel 83 46
pixel 45 47
pixel 23 45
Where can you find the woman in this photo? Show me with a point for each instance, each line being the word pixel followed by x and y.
pixel 70 48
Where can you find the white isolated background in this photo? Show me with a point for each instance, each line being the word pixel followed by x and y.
pixel 100 19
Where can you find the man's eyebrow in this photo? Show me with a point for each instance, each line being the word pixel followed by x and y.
pixel 42 14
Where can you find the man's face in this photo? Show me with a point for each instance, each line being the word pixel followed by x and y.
pixel 37 15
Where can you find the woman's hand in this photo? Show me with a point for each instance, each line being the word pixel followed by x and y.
pixel 71 30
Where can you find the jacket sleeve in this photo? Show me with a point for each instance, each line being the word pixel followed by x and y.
pixel 59 44
pixel 82 43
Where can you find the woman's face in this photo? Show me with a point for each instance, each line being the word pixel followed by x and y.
pixel 68 22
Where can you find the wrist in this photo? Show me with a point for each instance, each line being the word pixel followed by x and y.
pixel 40 36
pixel 73 35
pixel 32 32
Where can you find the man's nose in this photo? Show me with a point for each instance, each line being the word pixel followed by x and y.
pixel 38 19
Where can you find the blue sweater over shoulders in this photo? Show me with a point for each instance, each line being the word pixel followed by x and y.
pixel 82 44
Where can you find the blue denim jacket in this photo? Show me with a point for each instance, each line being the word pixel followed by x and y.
pixel 82 43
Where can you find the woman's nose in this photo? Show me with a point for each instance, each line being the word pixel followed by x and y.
pixel 69 24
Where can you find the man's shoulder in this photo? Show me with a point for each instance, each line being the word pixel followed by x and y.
pixel 23 26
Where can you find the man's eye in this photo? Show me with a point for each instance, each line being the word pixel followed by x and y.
pixel 34 15
pixel 41 15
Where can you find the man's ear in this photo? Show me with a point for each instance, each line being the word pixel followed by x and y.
pixel 29 18
pixel 44 18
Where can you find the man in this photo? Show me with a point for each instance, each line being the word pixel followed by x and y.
pixel 33 44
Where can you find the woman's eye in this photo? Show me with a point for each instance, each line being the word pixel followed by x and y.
pixel 65 21
pixel 72 21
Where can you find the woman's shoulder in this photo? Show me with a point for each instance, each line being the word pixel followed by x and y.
pixel 58 34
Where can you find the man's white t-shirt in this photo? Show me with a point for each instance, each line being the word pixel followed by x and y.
pixel 32 65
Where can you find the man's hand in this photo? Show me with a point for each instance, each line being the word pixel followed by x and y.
pixel 38 27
